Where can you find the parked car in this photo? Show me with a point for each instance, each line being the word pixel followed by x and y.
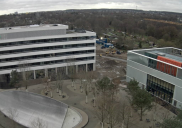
pixel 118 52
pixel 103 47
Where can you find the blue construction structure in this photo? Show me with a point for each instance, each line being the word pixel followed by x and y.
pixel 104 42
pixel 101 41
pixel 107 45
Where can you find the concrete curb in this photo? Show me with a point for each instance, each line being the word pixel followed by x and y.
pixel 85 118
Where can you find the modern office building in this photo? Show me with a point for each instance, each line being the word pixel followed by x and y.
pixel 45 48
pixel 159 71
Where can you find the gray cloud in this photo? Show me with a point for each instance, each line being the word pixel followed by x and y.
pixel 10 6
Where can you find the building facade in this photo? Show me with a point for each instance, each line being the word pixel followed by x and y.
pixel 159 71
pixel 45 48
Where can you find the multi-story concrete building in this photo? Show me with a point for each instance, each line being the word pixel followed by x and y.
pixel 159 71
pixel 45 48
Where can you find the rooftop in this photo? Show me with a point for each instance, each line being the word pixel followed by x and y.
pixel 167 52
pixel 170 56
pixel 33 27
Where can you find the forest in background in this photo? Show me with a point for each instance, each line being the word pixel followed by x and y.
pixel 134 23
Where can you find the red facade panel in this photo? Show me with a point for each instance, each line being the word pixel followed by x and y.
pixel 167 68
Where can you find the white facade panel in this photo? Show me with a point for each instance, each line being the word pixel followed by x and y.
pixel 46 44
pixel 46 52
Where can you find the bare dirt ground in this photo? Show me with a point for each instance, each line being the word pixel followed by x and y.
pixel 110 68
pixel 102 51
pixel 114 69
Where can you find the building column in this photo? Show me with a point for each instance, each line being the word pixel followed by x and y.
pixel 66 70
pixel 93 66
pixel 56 69
pixel 34 74
pixel 46 73
pixel 76 68
pixel 86 68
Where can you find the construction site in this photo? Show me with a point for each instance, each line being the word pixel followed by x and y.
pixel 111 64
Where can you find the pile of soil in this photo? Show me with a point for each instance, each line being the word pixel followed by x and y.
pixel 111 62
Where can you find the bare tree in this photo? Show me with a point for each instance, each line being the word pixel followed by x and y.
pixel 15 79
pixel 50 88
pixel 127 116
pixel 94 95
pixel 113 115
pixel 60 81
pixel 86 90
pixel 125 113
pixel 100 110
pixel 90 76
pixel 122 110
pixel 154 108
pixel 24 68
pixel 38 123
pixel 81 77
pixel 45 82
pixel 71 70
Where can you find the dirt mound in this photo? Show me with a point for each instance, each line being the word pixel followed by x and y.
pixel 111 62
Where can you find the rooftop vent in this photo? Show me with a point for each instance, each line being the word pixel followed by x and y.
pixel 161 54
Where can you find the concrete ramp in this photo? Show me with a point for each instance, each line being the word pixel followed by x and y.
pixel 31 109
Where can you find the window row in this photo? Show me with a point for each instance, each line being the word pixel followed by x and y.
pixel 46 55
pixel 47 48
pixel 46 41
pixel 48 62
pixel 160 88
pixel 160 82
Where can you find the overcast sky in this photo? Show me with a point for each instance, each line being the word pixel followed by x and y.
pixel 11 6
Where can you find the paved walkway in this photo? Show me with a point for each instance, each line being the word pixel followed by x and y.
pixel 77 99
pixel 73 98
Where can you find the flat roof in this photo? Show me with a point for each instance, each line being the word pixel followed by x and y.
pixel 173 57
pixel 5 29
